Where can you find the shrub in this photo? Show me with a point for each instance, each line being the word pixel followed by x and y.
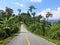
pixel 9 26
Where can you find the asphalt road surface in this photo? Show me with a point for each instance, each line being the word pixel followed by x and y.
pixel 26 38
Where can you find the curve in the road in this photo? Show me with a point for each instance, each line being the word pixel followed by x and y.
pixel 26 38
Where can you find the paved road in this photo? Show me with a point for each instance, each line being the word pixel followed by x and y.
pixel 26 38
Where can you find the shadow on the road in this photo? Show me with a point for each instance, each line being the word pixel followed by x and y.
pixel 23 32
pixel 19 33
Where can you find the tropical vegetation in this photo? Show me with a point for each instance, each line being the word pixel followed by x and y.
pixel 39 25
pixel 9 24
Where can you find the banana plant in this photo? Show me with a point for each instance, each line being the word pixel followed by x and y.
pixel 4 25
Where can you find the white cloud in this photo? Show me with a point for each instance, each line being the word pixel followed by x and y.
pixel 2 9
pixel 36 0
pixel 19 4
pixel 43 13
pixel 56 13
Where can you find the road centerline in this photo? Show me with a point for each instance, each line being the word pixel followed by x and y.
pixel 27 39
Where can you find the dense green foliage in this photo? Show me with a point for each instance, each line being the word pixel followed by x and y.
pixel 52 31
pixel 9 24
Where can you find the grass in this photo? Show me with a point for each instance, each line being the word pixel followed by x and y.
pixel 57 42
pixel 5 41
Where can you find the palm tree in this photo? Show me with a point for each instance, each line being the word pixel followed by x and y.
pixel 28 13
pixel 19 14
pixel 31 8
pixel 33 16
pixel 32 13
pixel 48 15
pixel 19 11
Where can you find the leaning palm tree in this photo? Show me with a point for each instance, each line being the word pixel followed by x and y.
pixel 48 15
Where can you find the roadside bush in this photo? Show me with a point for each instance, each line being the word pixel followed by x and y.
pixel 9 26
pixel 55 35
pixel 32 28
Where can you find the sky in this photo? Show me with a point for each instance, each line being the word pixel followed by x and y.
pixel 43 6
